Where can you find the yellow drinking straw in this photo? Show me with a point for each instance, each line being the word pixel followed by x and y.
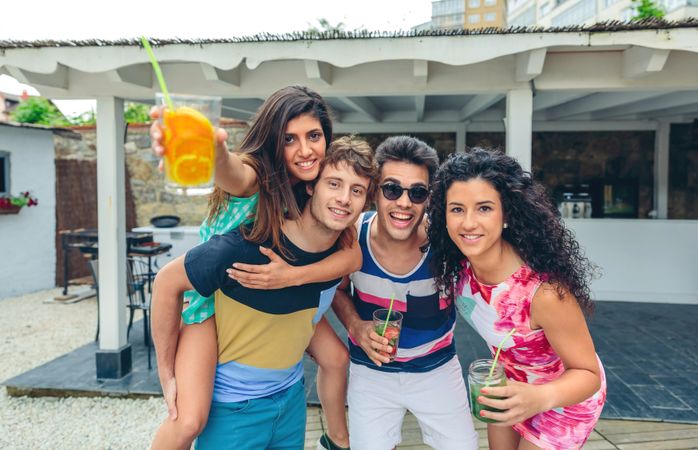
pixel 158 72
pixel 387 318
pixel 496 355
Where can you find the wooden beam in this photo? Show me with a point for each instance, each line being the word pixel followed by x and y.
pixel 478 104
pixel 545 100
pixel 318 71
pixel 233 108
pixel 665 101
pixel 140 75
pixel 690 110
pixel 596 102
pixel 530 64
pixel 227 77
pixel 420 71
pixel 59 79
pixel 364 106
pixel 640 61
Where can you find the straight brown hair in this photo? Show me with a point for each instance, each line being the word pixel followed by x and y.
pixel 263 150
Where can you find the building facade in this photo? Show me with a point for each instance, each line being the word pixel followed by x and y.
pixel 468 14
pixel 474 14
pixel 560 13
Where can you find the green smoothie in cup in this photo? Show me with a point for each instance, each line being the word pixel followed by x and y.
pixel 478 378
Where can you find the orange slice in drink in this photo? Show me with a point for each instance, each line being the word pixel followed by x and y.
pixel 189 146
pixel 192 170
pixel 186 122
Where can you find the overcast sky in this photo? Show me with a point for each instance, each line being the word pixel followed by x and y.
pixel 79 19
pixel 83 19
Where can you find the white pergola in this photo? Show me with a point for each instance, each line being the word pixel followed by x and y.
pixel 627 77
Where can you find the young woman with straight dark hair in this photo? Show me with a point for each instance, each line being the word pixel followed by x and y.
pixel 259 186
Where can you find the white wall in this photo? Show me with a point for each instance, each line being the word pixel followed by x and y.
pixel 27 239
pixel 642 260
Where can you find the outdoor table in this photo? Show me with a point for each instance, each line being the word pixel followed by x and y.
pixel 149 250
pixel 86 239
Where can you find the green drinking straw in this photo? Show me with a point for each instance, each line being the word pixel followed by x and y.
pixel 387 318
pixel 496 355
pixel 158 72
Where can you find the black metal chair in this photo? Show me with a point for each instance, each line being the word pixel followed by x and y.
pixel 137 277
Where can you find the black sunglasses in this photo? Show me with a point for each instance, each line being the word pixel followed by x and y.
pixel 393 191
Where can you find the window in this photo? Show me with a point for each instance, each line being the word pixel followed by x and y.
pixel 4 173
pixel 545 9
pixel 490 2
pixel 514 5
pixel 474 18
pixel 576 15
pixel 528 17
pixel 474 3
pixel 490 17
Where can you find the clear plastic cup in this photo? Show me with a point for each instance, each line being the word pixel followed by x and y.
pixel 392 329
pixel 189 141
pixel 478 378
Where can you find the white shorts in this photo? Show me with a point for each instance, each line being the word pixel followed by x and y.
pixel 438 399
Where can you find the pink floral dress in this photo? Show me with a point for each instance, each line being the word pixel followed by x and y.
pixel 527 355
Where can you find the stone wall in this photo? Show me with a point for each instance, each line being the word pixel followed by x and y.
pixel 147 183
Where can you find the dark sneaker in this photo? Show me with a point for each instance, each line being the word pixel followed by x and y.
pixel 325 443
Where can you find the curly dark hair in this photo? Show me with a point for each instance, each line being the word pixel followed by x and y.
pixel 535 229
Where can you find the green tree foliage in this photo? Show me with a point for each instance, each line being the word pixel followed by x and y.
pixel 647 9
pixel 324 26
pixel 39 111
pixel 86 118
pixel 136 113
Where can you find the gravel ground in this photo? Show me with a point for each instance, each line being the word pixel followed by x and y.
pixel 33 332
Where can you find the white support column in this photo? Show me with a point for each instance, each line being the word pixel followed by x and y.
pixel 519 125
pixel 661 169
pixel 460 138
pixel 114 354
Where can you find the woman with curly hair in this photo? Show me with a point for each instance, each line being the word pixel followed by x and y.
pixel 512 268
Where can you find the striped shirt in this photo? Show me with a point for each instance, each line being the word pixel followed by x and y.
pixel 262 334
pixel 426 339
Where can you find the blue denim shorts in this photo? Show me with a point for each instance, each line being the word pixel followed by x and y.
pixel 273 422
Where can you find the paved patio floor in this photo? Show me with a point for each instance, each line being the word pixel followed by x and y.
pixel 648 351
pixel 608 435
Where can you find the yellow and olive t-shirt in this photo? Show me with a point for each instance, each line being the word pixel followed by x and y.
pixel 262 334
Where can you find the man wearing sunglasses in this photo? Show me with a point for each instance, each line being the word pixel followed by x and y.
pixel 425 377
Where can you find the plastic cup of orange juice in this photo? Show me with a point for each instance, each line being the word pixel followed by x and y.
pixel 189 141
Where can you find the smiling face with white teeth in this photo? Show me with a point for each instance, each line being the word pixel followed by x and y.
pixel 400 218
pixel 475 218
pixel 338 197
pixel 304 147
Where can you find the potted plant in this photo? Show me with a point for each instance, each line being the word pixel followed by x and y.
pixel 12 204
